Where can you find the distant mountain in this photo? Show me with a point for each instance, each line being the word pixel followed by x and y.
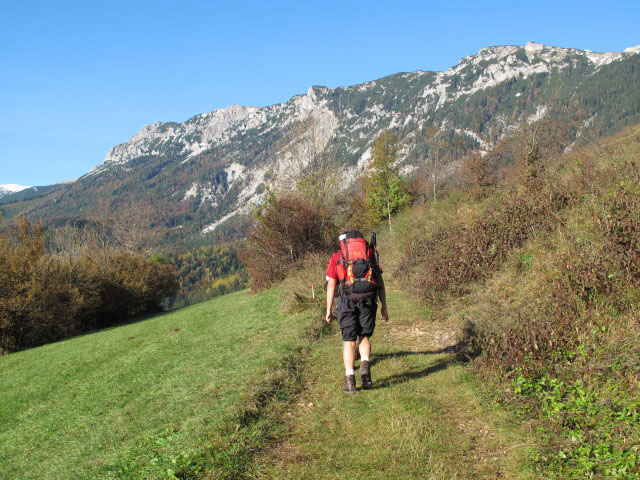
pixel 22 194
pixel 10 188
pixel 196 177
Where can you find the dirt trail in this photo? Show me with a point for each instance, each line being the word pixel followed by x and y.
pixel 425 417
pixel 486 445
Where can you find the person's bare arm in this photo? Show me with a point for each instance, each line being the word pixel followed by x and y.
pixel 331 290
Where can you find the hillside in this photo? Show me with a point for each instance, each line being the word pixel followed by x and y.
pixel 137 400
pixel 212 391
pixel 533 282
pixel 192 179
pixel 518 360
pixel 541 274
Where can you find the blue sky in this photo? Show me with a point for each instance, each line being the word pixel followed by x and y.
pixel 79 77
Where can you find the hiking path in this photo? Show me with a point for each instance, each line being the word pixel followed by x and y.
pixel 425 418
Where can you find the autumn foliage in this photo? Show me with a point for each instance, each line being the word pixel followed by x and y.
pixel 45 297
pixel 284 230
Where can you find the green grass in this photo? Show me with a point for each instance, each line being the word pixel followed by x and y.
pixel 205 392
pixel 134 400
pixel 424 419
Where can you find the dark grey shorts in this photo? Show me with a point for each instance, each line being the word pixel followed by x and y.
pixel 356 318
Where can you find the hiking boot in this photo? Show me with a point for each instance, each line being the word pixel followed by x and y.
pixel 365 375
pixel 349 384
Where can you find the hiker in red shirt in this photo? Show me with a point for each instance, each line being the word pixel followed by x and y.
pixel 356 273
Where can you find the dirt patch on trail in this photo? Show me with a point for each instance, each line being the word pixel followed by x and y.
pixel 419 336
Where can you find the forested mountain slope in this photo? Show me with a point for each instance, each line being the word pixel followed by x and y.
pixel 188 179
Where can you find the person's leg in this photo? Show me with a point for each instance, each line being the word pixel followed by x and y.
pixel 347 321
pixel 367 324
pixel 348 355
pixel 364 348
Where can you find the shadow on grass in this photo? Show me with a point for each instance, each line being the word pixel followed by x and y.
pixel 382 356
pixel 413 374
pixel 399 378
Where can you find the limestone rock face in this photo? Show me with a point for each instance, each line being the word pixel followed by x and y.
pixel 204 171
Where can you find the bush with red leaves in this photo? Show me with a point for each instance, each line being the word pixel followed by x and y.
pixel 285 230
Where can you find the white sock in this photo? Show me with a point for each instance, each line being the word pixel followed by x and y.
pixel 364 359
pixel 349 371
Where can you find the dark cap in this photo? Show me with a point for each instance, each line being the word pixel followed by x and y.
pixel 354 234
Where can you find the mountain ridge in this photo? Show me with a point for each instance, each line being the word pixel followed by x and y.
pixel 486 53
pixel 199 173
pixel 9 188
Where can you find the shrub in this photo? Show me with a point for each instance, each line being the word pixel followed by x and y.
pixel 557 328
pixel 126 287
pixel 285 230
pixel 481 170
pixel 606 269
pixel 36 302
pixel 462 252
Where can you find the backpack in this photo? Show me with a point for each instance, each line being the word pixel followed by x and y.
pixel 356 270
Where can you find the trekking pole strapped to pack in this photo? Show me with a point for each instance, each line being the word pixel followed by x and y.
pixel 374 245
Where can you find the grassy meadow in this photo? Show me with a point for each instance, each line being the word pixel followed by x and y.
pixel 206 392
pixel 139 400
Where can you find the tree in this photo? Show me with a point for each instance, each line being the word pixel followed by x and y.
pixel 541 137
pixel 386 192
pixel 480 168
pixel 314 173
pixel 437 145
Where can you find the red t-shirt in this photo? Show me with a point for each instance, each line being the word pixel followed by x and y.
pixel 331 268
pixel 333 262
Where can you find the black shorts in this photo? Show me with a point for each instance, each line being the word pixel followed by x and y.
pixel 356 318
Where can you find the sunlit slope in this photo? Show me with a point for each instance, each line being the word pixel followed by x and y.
pixel 130 397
